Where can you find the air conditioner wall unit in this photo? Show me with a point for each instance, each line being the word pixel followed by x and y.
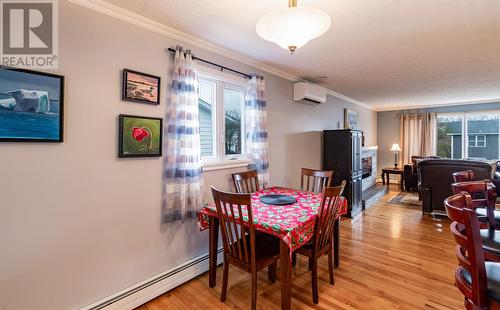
pixel 309 93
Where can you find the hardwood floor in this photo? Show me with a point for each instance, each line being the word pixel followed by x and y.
pixel 391 258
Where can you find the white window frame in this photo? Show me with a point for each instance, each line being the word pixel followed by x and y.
pixel 230 81
pixel 465 129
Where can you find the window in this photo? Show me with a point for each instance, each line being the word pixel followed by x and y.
pixel 206 107
pixel 477 141
pixel 449 136
pixel 468 135
pixel 233 127
pixel 221 115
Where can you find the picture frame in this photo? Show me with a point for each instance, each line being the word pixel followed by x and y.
pixel 141 87
pixel 140 136
pixel 350 119
pixel 31 106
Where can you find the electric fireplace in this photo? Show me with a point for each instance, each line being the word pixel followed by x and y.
pixel 366 164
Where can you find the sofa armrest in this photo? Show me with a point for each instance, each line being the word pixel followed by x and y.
pixel 425 194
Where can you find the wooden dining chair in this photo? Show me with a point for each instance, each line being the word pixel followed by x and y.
pixel 322 241
pixel 464 176
pixel 246 182
pixel 485 209
pixel 242 247
pixel 479 281
pixel 484 198
pixel 315 180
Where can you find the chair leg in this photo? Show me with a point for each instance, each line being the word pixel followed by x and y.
pixel 330 266
pixel 314 279
pixel 254 290
pixel 271 272
pixel 294 259
pixel 225 275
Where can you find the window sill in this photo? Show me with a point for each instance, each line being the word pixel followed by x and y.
pixel 226 164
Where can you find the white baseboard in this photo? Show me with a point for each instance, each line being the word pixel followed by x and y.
pixel 144 291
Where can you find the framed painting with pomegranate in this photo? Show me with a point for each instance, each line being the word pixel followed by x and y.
pixel 140 136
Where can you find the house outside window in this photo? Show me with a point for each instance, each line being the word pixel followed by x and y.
pixel 477 140
pixel 221 115
pixel 468 135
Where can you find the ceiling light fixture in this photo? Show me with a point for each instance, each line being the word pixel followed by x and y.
pixel 294 26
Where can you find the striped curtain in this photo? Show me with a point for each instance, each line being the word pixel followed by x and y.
pixel 256 127
pixel 183 171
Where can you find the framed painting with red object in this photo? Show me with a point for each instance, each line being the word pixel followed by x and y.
pixel 140 136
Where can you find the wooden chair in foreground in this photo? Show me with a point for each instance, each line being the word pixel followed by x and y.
pixel 246 182
pixel 464 176
pixel 485 209
pixel 479 281
pixel 242 247
pixel 322 241
pixel 320 179
pixel 484 197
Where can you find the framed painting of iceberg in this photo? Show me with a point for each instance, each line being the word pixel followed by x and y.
pixel 31 106
pixel 140 136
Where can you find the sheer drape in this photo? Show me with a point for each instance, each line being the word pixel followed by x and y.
pixel 418 135
pixel 183 170
pixel 256 127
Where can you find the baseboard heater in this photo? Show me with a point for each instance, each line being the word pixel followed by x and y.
pixel 142 292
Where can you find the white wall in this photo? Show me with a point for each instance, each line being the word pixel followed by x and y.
pixel 78 224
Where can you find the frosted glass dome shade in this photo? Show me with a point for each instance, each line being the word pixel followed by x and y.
pixel 293 27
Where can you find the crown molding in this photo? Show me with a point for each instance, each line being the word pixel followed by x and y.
pixel 349 99
pixel 108 9
pixel 436 105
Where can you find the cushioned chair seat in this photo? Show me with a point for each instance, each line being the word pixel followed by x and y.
pixel 482 212
pixel 491 244
pixel 493 275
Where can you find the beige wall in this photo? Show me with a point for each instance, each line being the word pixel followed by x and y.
pixel 78 224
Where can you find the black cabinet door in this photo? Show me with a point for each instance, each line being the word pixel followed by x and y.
pixel 356 141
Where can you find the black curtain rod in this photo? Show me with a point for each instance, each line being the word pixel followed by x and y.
pixel 222 68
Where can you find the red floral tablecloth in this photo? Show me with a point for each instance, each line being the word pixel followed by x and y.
pixel 293 223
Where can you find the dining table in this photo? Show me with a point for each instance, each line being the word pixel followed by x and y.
pixel 293 224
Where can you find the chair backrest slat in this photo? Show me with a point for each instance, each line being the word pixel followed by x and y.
pixel 483 195
pixel 469 250
pixel 320 179
pixel 246 182
pixel 464 176
pixel 329 210
pixel 238 235
pixel 245 247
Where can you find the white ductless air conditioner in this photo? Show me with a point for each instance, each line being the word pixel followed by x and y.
pixel 309 93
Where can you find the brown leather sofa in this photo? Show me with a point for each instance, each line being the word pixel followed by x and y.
pixel 410 172
pixel 435 179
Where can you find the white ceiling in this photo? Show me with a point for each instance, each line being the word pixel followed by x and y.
pixel 386 53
